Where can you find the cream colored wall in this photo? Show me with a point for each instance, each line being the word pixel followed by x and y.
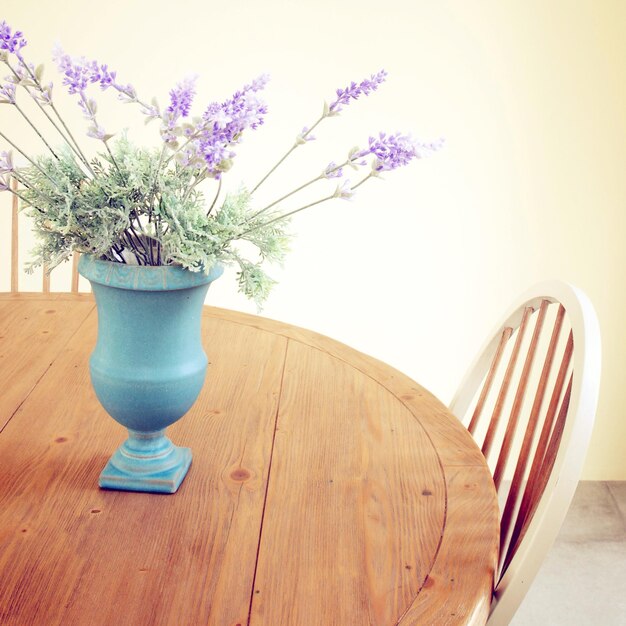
pixel 531 97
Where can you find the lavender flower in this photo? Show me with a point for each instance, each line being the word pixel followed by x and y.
pixel 354 90
pixel 151 111
pixel 96 131
pixel 6 163
pixel 344 191
pixel 181 98
pixel 6 169
pixel 105 77
pixel 396 150
pixel 259 83
pixel 77 73
pixel 80 72
pixel 7 93
pixel 11 41
pixel 43 96
pixel 304 136
pixel 332 171
pixel 222 126
pixel 21 73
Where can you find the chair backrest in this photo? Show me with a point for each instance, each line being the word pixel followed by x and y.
pixel 530 401
pixel 15 271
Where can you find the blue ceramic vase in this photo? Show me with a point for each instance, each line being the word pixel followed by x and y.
pixel 148 366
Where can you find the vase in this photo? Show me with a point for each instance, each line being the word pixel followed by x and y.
pixel 148 366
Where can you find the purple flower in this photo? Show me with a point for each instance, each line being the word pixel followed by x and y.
pixel 151 110
pixel 4 183
pixel 260 82
pixel 79 73
pixel 6 163
pixel 44 96
pixel 222 126
pixel 105 77
pixel 304 136
pixel 96 131
pixel 23 71
pixel 332 171
pixel 393 151
pixel 7 93
pixel 354 90
pixel 181 98
pixel 216 156
pixel 87 107
pixel 11 41
pixel 344 190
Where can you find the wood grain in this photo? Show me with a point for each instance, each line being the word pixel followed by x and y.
pixel 467 553
pixel 326 488
pixel 73 554
pixel 356 495
pixel 31 337
pixel 448 435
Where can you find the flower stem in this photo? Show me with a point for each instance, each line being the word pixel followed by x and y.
pixel 153 186
pixel 69 133
pixel 54 154
pixel 28 159
pixel 370 175
pixel 217 193
pixel 23 199
pixel 286 215
pixel 198 179
pixel 291 193
pixel 43 110
pixel 56 112
pixel 295 145
pixel 117 167
pixel 287 195
pixel 22 181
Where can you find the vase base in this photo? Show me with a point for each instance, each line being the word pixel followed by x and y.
pixel 130 469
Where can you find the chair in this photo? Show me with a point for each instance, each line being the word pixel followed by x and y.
pixel 548 346
pixel 15 249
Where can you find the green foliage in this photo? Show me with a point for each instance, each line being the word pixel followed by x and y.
pixel 139 208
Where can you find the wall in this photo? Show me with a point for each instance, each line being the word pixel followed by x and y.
pixel 417 268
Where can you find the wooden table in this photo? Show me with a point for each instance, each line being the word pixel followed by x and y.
pixel 326 488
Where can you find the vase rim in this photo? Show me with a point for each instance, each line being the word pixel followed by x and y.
pixel 143 277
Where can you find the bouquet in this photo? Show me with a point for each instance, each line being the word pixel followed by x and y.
pixel 163 205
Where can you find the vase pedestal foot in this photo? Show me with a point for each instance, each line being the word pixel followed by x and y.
pixel 146 462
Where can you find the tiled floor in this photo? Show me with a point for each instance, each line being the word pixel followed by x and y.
pixel 583 580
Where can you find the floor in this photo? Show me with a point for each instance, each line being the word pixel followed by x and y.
pixel 583 580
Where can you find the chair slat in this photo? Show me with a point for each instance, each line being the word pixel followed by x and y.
pixel 14 240
pixel 75 257
pixel 514 491
pixel 506 335
pixel 46 279
pixel 531 493
pixel 497 411
pixel 544 473
pixel 550 457
pixel 511 428
pixel 15 270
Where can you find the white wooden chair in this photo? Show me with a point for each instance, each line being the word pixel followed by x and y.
pixel 536 453
pixel 15 271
